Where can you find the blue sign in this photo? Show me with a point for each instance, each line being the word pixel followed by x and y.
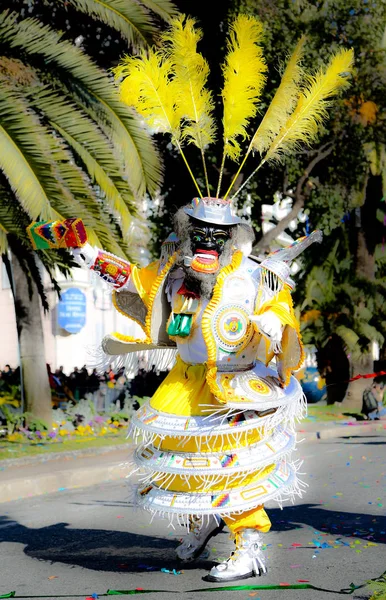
pixel 72 310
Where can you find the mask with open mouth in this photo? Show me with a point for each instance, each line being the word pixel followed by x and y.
pixel 207 245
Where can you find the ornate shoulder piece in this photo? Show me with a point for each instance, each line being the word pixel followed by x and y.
pixel 277 266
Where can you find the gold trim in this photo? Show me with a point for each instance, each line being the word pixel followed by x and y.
pixel 153 292
pixel 206 324
pixel 298 334
pixel 129 338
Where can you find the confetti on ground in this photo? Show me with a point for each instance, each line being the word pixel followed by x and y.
pixel 174 572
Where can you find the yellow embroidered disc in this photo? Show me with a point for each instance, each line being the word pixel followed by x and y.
pixel 257 385
pixel 232 327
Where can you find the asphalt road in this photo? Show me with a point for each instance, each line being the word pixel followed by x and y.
pixel 86 541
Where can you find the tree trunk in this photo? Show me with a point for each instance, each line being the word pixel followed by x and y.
pixel 366 235
pixel 37 390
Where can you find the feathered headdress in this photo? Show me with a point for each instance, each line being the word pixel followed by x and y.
pixel 167 87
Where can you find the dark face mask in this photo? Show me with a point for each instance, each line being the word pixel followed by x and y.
pixel 207 242
pixel 209 238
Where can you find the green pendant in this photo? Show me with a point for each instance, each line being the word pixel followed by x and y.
pixel 180 325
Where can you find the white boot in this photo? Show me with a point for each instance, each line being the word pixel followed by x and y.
pixel 245 561
pixel 200 532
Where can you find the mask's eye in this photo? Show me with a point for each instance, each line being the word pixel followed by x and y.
pixel 220 238
pixel 196 237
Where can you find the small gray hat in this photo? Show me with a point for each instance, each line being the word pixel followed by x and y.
pixel 212 210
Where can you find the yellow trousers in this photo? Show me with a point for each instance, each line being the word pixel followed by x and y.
pixel 184 392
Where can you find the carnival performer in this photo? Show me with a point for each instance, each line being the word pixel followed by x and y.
pixel 214 442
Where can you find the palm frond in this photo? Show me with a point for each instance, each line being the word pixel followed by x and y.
pixel 3 239
pixel 349 337
pixel 92 146
pixel 24 156
pixel 79 198
pixel 110 193
pixel 93 90
pixel 370 332
pixel 132 21
pixel 164 8
pixel 56 174
pixel 13 218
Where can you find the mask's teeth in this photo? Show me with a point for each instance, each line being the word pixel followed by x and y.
pixel 212 256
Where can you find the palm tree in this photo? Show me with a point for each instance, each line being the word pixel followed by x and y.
pixel 68 147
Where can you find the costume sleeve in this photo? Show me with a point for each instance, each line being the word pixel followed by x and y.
pixel 291 356
pixel 119 273
pixel 142 279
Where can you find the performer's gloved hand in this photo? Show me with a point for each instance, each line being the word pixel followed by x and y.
pixel 85 256
pixel 269 325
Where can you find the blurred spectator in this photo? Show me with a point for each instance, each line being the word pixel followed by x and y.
pixel 372 400
pixel 59 390
pixel 83 381
pixel 110 376
pixel 74 383
pixel 93 381
pixel 7 374
pixel 61 375
pixel 145 383
pixel 334 367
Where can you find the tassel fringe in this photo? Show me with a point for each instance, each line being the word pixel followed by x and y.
pixel 160 359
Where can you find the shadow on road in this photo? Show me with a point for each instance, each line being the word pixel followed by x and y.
pixel 103 550
pixel 96 549
pixel 338 523
pixel 359 442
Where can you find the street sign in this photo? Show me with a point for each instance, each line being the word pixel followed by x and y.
pixel 72 310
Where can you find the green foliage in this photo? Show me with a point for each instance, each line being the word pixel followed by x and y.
pixel 16 421
pixel 68 146
pixel 338 301
pixel 337 183
pixel 13 419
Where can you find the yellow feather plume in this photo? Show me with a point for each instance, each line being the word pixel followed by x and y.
pixel 283 103
pixel 194 102
pixel 311 109
pixel 147 87
pixel 244 79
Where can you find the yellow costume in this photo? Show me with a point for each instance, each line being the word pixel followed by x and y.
pixel 215 437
